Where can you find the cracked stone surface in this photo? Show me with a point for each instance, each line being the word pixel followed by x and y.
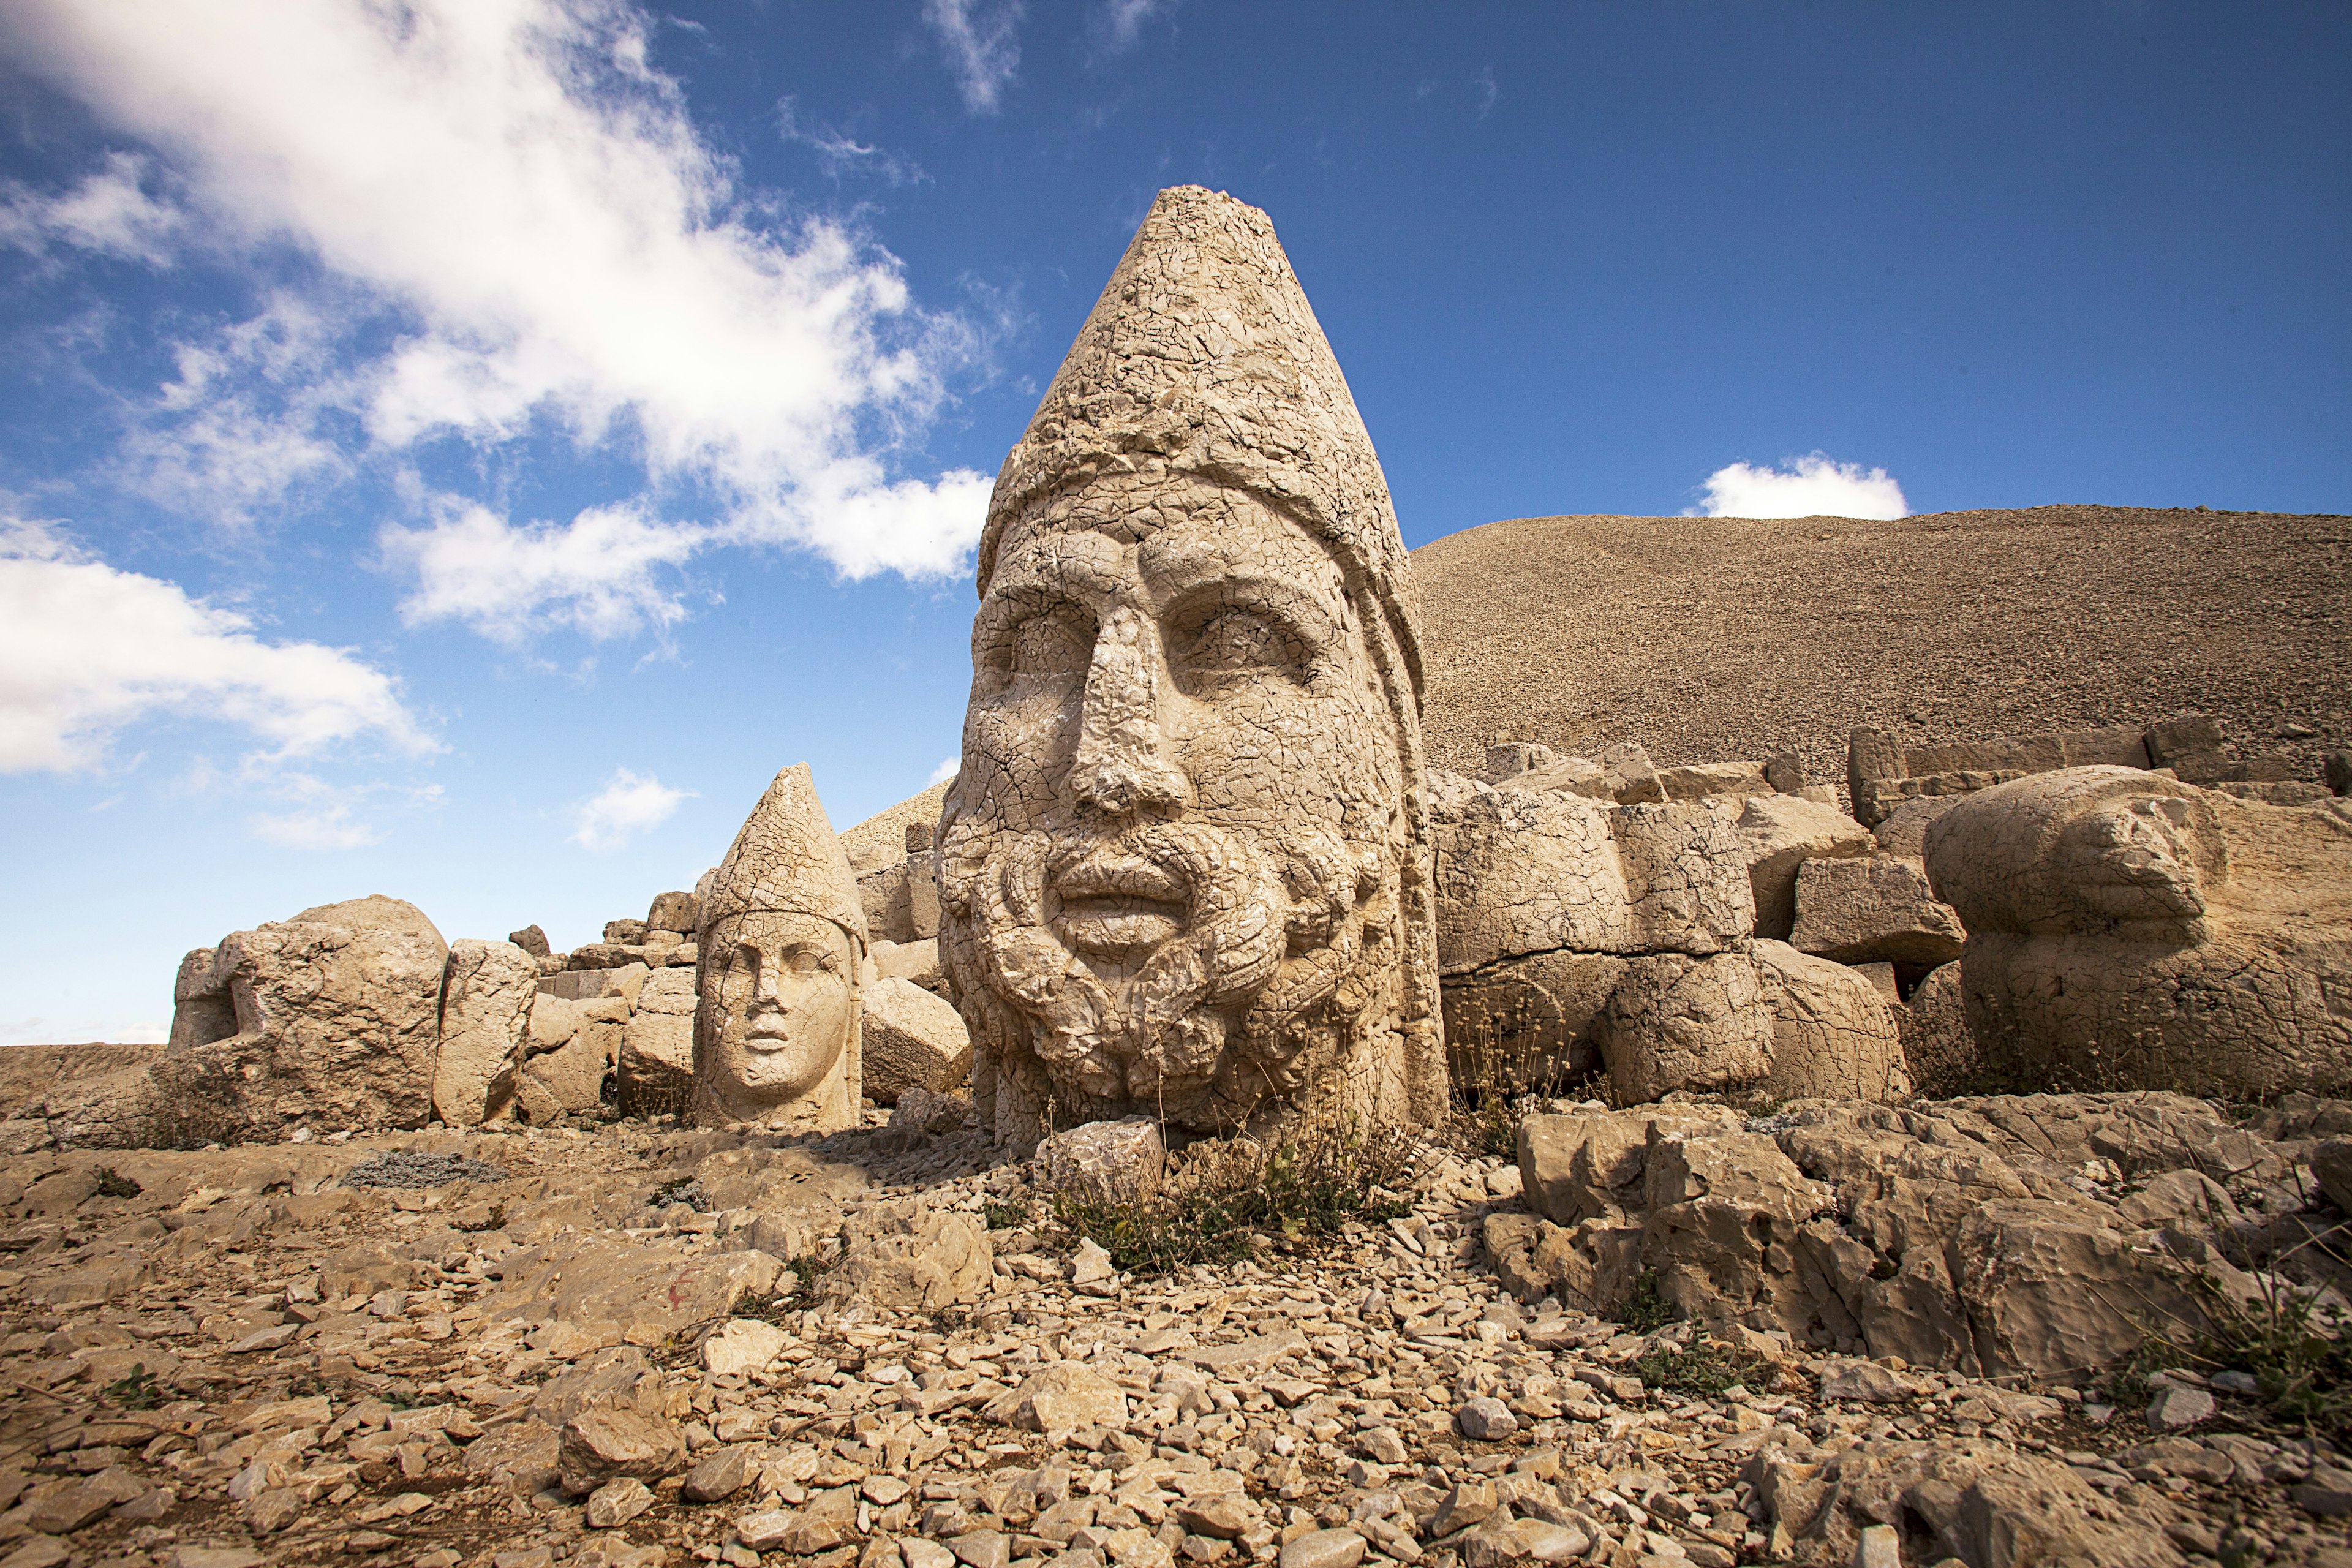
pixel 1184 869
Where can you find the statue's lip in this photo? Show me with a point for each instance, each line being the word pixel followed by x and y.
pixel 1127 877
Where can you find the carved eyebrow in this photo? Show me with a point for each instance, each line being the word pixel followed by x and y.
pixel 1009 603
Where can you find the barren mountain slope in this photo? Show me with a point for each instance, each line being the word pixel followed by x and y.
pixel 1708 638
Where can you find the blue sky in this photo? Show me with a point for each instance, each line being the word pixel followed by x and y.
pixel 464 457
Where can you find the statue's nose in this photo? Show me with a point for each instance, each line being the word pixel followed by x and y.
pixel 1121 765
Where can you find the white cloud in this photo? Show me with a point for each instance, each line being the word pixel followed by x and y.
pixel 1121 22
pixel 948 769
pixel 86 650
pixel 600 574
pixel 629 803
pixel 1815 485
pixel 983 47
pixel 518 229
pixel 110 213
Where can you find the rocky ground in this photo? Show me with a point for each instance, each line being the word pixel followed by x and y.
pixel 629 1343
pixel 1708 638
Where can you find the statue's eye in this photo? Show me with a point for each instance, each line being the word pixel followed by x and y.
pixel 806 962
pixel 1051 642
pixel 1235 641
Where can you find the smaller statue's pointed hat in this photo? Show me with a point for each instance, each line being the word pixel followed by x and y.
pixel 1202 357
pixel 786 860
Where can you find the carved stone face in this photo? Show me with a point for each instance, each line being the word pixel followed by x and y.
pixel 776 1017
pixel 1175 860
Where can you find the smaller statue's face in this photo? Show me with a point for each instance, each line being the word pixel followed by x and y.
pixel 783 988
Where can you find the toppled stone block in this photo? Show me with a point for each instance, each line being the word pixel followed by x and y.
pixel 1778 832
pixel 1109 1162
pixel 1832 1037
pixel 1934 1024
pixel 912 1040
pixel 678 912
pixel 486 995
pixel 532 940
pixel 1676 1022
pixel 655 1065
pixel 1872 909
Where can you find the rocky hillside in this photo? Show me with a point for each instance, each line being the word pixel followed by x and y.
pixel 1707 639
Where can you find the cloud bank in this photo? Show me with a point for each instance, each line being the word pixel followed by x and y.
pixel 628 805
pixel 86 650
pixel 516 227
pixel 1815 485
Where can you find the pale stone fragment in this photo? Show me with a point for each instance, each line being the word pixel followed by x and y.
pixel 911 1040
pixel 487 992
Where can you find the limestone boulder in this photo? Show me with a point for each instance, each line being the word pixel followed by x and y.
pixel 655 1065
pixel 487 990
pixel 1110 1162
pixel 1882 908
pixel 376 912
pixel 678 912
pixel 1936 1044
pixel 2127 930
pixel 917 962
pixel 1698 781
pixel 1678 1022
pixel 334 1028
pixel 906 1254
pixel 913 1040
pixel 1591 1164
pixel 1778 832
pixel 573 1046
pixel 1720 1211
pixel 1832 1037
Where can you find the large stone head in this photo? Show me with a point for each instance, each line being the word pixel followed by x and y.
pixel 1184 869
pixel 782 948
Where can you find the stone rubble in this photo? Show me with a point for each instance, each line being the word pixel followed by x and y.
pixel 627 1344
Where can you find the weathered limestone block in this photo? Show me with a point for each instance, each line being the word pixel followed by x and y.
pixel 1183 869
pixel 487 990
pixel 1777 833
pixel 782 951
pixel 2129 930
pixel 1622 774
pixel 1590 1164
pixel 572 1047
pixel 1723 1216
pixel 912 1040
pixel 1873 909
pixel 532 940
pixel 1833 1038
pixel 1936 1041
pixel 1678 1022
pixel 1698 781
pixel 915 961
pixel 678 912
pixel 1105 1162
pixel 336 1027
pixel 655 1064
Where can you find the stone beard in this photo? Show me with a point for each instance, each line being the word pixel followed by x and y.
pixel 1171 866
pixel 776 1023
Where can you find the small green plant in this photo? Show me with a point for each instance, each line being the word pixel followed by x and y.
pixel 1703 1371
pixel 1304 1188
pixel 135 1390
pixel 1649 1310
pixel 2298 1353
pixel 112 1183
pixel 1003 1215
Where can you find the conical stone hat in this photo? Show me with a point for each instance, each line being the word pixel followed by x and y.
pixel 786 860
pixel 1203 355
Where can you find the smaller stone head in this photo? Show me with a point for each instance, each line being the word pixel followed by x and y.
pixel 782 949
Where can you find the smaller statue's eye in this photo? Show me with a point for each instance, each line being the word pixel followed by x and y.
pixel 806 962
